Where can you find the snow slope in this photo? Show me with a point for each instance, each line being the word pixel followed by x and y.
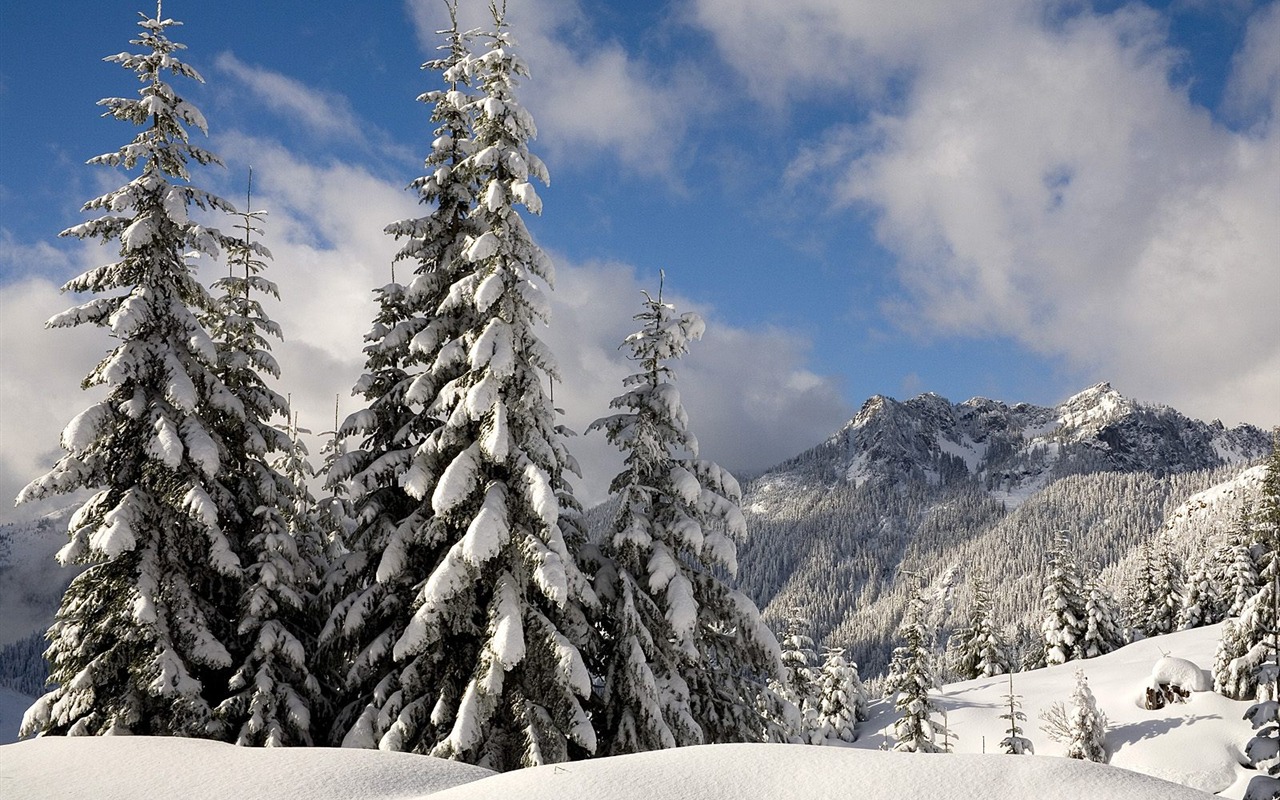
pixel 1196 745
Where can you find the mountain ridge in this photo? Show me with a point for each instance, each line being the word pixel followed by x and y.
pixel 979 487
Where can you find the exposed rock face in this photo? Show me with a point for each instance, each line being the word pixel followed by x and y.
pixel 1007 448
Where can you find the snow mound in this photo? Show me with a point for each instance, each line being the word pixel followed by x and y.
pixel 130 767
pixel 1179 672
pixel 800 772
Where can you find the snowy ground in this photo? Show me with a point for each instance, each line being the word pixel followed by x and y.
pixel 129 767
pixel 126 768
pixel 1196 744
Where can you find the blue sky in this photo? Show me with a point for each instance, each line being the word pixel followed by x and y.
pixel 1008 199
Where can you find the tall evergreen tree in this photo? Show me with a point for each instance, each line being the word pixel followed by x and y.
pixel 142 640
pixel 655 545
pixel 489 667
pixel 1263 750
pixel 683 653
pixel 1201 599
pixel 976 650
pixel 1242 569
pixel 1065 619
pixel 1165 596
pixel 1258 619
pixel 1103 633
pixel 416 350
pixel 272 691
pixel 911 680
pixel 799 683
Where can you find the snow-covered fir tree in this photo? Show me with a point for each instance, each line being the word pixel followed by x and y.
pixel 1201 599
pixel 1160 615
pixel 474 513
pixel 416 348
pixel 272 691
pixel 976 649
pixel 1086 725
pixel 1065 619
pixel 1241 657
pixel 1263 750
pixel 1015 743
pixel 911 680
pixel 654 543
pixel 684 657
pixel 842 699
pixel 1228 681
pixel 1242 570
pixel 142 642
pixel 799 683
pixel 1103 632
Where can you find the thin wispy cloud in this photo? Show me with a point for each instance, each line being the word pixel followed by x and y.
pixel 323 113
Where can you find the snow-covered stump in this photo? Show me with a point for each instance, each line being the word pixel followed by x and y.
pixel 1172 681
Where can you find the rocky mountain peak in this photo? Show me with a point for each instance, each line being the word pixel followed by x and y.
pixel 1013 450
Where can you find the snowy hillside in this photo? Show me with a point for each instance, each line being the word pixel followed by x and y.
pixel 31 581
pixel 1196 745
pixel 926 485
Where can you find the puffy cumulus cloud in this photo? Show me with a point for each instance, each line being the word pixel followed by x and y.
pixel 1253 92
pixel 809 47
pixel 1046 181
pixel 589 96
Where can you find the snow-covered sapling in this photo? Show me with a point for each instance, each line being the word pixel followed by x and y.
pixel 1015 743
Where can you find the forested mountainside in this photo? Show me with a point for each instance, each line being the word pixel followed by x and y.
pixel 949 491
pixel 31 580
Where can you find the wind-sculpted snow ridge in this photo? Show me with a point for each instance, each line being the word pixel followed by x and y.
pixel 799 772
pixel 132 767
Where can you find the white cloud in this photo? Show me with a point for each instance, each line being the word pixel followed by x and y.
pixel 1254 88
pixel 589 97
pixel 807 48
pixel 40 376
pixel 1045 181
